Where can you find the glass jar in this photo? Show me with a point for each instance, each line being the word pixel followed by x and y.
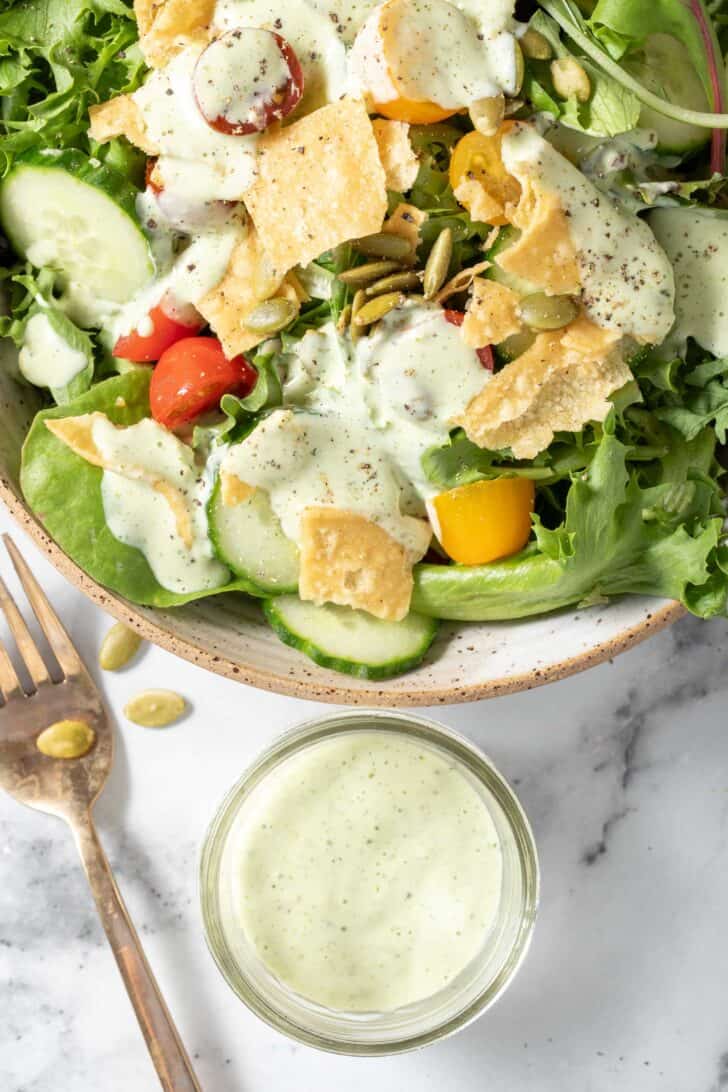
pixel 464 998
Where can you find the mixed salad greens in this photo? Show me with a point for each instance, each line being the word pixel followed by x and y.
pixel 631 504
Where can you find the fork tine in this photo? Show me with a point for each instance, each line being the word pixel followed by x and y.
pixel 58 639
pixel 10 685
pixel 26 645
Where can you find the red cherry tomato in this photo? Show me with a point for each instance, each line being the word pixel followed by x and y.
pixel 245 80
pixel 191 378
pixel 146 348
pixel 485 355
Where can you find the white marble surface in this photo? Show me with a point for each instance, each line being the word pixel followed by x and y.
pixel 624 773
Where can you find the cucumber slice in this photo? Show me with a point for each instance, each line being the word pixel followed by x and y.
pixel 248 539
pixel 507 236
pixel 351 641
pixel 69 212
pixel 663 66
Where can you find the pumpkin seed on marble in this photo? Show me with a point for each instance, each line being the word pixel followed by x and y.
pixel 438 264
pixel 384 244
pixel 542 312
pixel 396 282
pixel 272 316
pixel 362 275
pixel 376 309
pixel 66 739
pixel 155 708
pixel 119 646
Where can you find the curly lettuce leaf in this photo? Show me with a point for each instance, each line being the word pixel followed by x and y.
pixel 624 531
pixel 58 57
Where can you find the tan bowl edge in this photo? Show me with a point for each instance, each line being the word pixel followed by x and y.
pixel 341 695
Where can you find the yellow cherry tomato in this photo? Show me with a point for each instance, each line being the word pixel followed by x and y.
pixel 480 157
pixel 485 521
pixel 416 113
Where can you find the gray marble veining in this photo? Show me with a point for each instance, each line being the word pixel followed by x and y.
pixel 624 774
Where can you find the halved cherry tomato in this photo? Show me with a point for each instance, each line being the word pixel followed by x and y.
pixel 480 157
pixel 486 520
pixel 416 113
pixel 485 355
pixel 246 79
pixel 191 378
pixel 145 348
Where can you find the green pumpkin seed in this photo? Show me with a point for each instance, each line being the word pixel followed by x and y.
pixel 536 46
pixel 362 275
pixel 118 647
pixel 520 69
pixel 272 316
pixel 438 264
pixel 397 282
pixel 360 298
pixel 384 244
pixel 542 312
pixel 66 739
pixel 344 319
pixel 377 308
pixel 155 708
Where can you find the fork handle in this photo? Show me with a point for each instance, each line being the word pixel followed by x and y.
pixel 163 1042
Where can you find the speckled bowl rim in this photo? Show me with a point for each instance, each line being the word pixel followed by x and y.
pixel 307 689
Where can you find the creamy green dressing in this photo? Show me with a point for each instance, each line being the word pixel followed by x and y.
pixel 696 242
pixel 139 515
pixel 45 358
pixel 448 54
pixel 366 871
pixel 628 282
pixel 357 420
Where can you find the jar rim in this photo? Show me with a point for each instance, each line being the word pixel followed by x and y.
pixel 290 743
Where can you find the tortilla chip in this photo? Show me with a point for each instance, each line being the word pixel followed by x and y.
pixel 481 205
pixel 559 384
pixel 461 281
pixel 347 559
pixel 233 491
pixel 320 183
pixel 400 163
pixel 406 221
pixel 249 281
pixel 120 117
pixel 166 26
pixel 544 253
pixel 491 315
pixel 77 434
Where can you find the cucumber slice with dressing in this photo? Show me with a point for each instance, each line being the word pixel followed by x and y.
pixel 663 66
pixel 351 641
pixel 71 213
pixel 507 236
pixel 248 539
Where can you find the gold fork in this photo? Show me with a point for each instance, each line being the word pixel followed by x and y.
pixel 69 788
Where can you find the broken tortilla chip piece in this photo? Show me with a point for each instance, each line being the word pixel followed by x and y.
pixel 120 117
pixel 400 163
pixel 406 221
pixel 559 384
pixel 166 26
pixel 544 253
pixel 249 281
pixel 491 315
pixel 320 183
pixel 233 491
pixel 347 559
pixel 481 205
pixel 77 434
